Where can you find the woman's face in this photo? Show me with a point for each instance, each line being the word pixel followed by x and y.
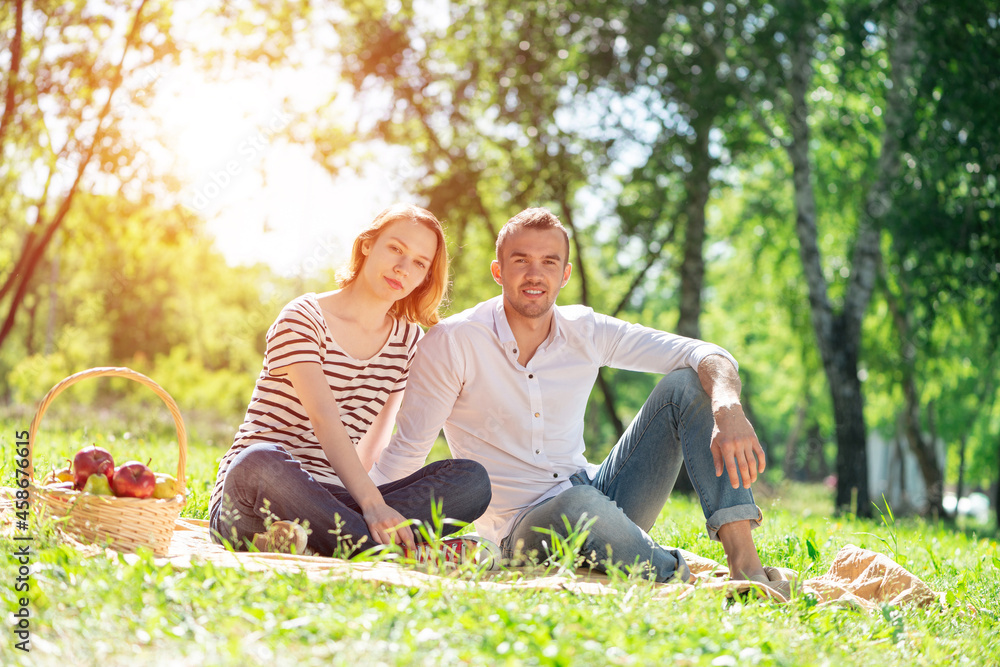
pixel 398 261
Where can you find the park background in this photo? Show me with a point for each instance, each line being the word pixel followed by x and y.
pixel 811 184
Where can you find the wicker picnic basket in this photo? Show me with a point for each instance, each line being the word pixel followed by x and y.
pixel 125 524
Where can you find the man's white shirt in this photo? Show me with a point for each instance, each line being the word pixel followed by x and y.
pixel 523 423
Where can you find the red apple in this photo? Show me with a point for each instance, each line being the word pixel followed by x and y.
pixel 91 461
pixel 133 480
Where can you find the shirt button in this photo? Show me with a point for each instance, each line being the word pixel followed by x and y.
pixel 515 350
pixel 531 377
pixel 538 451
pixel 538 414
pixel 555 474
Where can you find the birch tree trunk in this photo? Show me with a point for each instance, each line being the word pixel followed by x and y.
pixel 923 447
pixel 838 334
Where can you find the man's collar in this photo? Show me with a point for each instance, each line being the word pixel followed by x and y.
pixel 503 331
pixel 500 324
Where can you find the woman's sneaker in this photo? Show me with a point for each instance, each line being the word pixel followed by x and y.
pixel 456 551
pixel 283 537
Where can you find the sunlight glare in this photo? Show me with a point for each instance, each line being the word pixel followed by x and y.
pixel 264 199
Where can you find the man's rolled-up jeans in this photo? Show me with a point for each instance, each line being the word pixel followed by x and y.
pixel 625 497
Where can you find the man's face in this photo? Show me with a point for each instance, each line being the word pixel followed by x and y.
pixel 532 270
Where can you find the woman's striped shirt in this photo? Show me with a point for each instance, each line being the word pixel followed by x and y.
pixel 361 387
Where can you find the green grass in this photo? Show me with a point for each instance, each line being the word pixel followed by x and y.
pixel 100 611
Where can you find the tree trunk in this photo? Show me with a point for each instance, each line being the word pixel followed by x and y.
pixel 837 339
pixel 905 504
pixel 33 257
pixel 29 340
pixel 581 269
pixel 790 464
pixel 960 489
pixel 839 335
pixel 609 404
pixel 50 324
pixel 602 383
pixel 693 268
pixel 923 448
pixel 816 467
pixel 848 408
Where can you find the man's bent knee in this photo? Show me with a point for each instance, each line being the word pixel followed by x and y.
pixel 580 504
pixel 685 379
pixel 681 387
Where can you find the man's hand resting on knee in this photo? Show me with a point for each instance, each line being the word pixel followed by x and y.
pixel 735 448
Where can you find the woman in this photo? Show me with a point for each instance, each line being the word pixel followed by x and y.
pixel 325 402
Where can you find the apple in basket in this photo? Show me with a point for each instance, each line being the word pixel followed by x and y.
pixel 91 461
pixel 133 480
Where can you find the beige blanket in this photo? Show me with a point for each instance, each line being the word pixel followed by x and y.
pixel 857 577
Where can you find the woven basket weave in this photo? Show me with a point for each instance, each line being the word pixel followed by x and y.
pixel 124 524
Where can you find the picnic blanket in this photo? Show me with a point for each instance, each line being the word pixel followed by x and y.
pixel 857 578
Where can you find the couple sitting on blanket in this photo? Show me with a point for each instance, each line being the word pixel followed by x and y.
pixel 508 380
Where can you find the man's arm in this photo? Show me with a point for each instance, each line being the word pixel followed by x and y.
pixel 635 347
pixel 432 387
pixel 372 443
pixel 735 447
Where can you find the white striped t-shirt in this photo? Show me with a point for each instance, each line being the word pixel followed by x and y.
pixel 361 387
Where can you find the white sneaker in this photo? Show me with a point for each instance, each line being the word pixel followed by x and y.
pixel 285 537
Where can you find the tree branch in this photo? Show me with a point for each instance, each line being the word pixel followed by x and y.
pixel 805 200
pixel 567 216
pixel 651 259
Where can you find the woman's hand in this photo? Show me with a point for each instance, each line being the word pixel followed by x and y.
pixel 388 526
pixel 321 407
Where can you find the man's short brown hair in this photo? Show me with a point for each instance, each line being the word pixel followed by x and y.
pixel 531 218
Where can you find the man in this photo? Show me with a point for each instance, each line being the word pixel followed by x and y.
pixel 509 379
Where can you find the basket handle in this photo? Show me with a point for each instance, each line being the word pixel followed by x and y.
pixel 119 371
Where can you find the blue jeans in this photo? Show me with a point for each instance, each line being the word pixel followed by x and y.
pixel 265 481
pixel 630 488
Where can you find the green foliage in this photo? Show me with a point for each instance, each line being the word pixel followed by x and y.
pixel 144 288
pixel 892 541
pixel 565 552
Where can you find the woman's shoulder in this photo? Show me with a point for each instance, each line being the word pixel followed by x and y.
pixel 301 311
pixel 309 300
pixel 306 304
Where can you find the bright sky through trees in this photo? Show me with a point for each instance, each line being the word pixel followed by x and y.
pixel 264 199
